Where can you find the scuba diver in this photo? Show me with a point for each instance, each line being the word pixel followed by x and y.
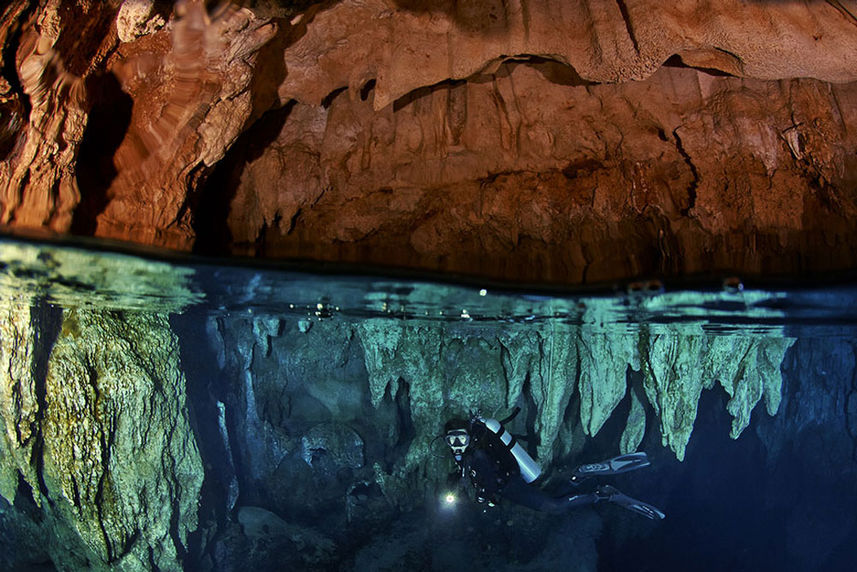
pixel 499 467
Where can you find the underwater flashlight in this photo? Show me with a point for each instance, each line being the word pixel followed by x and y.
pixel 448 501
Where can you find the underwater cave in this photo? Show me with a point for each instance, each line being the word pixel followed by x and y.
pixel 261 259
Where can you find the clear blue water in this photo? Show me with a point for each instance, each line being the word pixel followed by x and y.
pixel 783 496
pixel 117 280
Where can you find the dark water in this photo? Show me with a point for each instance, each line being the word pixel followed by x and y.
pixel 272 358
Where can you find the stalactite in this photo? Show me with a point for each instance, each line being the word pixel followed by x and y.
pixel 550 365
pixel 604 362
pixel 120 460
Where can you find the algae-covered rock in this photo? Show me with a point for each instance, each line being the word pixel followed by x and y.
pixel 473 375
pixel 19 400
pixel 95 425
pixel 679 366
pixel 604 362
pixel 673 381
pixel 552 384
pixel 519 359
pixel 548 366
pixel 413 354
pixel 372 409
pixel 120 461
pixel 635 426
pixel 758 375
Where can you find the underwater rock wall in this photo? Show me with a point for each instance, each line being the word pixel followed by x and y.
pixel 321 429
pixel 678 367
pixel 332 425
pixel 567 379
pixel 98 436
pixel 19 396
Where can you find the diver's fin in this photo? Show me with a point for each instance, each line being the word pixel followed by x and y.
pixel 614 495
pixel 614 466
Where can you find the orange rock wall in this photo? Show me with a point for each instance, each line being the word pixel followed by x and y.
pixel 518 176
pixel 566 142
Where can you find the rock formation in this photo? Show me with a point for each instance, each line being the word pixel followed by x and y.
pixel 569 379
pixel 96 434
pixel 119 455
pixel 565 142
pixel 305 436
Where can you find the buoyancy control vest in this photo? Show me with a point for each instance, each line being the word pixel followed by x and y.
pixel 507 457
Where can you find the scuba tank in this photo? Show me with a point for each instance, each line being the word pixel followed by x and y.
pixel 530 470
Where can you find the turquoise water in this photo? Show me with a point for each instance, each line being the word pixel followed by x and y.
pixel 189 413
pixel 71 277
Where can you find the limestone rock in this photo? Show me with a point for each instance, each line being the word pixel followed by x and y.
pixel 549 142
pixel 136 19
pixel 440 380
pixel 679 367
pixel 635 426
pixel 677 364
pixel 673 385
pixel 335 443
pixel 625 179
pixel 552 384
pixel 380 342
pixel 758 376
pixel 604 362
pixel 120 462
pixel 38 187
pixel 20 412
pixel 427 42
pixel 79 411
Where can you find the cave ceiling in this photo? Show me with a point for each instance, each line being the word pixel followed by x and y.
pixel 562 142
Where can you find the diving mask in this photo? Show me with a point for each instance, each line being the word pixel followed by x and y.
pixel 458 440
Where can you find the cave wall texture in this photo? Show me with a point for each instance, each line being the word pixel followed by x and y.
pixel 134 442
pixel 557 141
pixel 144 427
pixel 565 142
pixel 96 436
pixel 99 465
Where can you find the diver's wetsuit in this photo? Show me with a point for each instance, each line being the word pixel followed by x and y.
pixel 519 492
pixel 494 473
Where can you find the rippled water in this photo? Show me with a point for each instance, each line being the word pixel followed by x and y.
pixel 70 276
